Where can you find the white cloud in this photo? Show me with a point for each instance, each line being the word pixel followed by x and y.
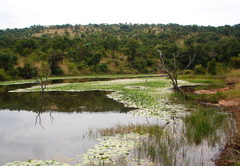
pixel 24 13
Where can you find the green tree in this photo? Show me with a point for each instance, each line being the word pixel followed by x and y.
pixel 56 56
pixel 235 62
pixel 103 67
pixel 199 69
pixel 211 67
pixel 132 46
pixel 7 60
pixel 95 60
pixel 27 71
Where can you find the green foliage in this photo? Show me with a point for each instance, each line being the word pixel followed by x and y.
pixel 103 67
pixel 3 75
pixel 150 62
pixel 235 62
pixel 134 41
pixel 95 59
pixel 7 59
pixel 221 69
pixel 188 71
pixel 199 69
pixel 211 67
pixel 55 58
pixel 26 70
pixel 131 52
pixel 82 65
pixel 140 64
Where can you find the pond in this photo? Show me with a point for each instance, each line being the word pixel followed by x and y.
pixel 52 126
pixel 56 125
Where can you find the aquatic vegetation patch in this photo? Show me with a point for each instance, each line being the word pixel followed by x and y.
pixel 35 163
pixel 76 77
pixel 154 129
pixel 111 148
pixel 150 98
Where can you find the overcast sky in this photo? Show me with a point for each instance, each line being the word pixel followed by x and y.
pixel 24 13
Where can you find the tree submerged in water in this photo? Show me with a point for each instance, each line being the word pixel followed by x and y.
pixel 174 74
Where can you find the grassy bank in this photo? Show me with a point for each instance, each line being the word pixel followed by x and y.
pixel 226 93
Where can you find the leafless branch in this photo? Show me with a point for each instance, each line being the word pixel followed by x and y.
pixel 38 117
pixel 38 77
pixel 163 65
pixel 174 75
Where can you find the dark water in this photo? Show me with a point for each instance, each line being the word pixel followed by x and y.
pixel 33 126
pixel 66 102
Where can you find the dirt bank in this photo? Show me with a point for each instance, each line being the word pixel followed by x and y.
pixel 230 155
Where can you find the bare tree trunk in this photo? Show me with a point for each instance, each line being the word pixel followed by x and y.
pixel 173 76
pixel 38 77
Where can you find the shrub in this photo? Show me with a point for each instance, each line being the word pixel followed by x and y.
pixel 71 66
pixel 12 71
pixel 103 67
pixel 235 62
pixel 150 62
pixel 199 69
pixel 211 67
pixel 26 69
pixel 117 63
pixel 3 75
pixel 188 71
pixel 220 68
pixel 82 65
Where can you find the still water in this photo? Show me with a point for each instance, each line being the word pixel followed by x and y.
pixel 33 126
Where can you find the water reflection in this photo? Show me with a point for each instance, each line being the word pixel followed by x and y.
pixel 22 140
pixel 88 101
pixel 34 126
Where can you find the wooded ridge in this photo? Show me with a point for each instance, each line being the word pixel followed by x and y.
pixel 116 48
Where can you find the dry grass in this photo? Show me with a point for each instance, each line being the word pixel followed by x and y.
pixel 233 78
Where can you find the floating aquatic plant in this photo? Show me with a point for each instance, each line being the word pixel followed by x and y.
pixel 35 163
pixel 110 148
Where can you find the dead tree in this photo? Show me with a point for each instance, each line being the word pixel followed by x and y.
pixel 38 77
pixel 174 74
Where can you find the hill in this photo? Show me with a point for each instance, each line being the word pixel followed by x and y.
pixel 114 49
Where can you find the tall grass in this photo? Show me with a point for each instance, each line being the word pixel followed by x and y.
pixel 203 123
pixel 152 130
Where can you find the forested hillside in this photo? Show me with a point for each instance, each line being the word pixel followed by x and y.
pixel 114 49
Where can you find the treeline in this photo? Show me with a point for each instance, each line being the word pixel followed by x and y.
pixel 116 48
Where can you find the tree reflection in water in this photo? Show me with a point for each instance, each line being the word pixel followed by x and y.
pixel 38 117
pixel 66 102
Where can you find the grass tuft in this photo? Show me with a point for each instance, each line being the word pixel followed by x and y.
pixel 203 123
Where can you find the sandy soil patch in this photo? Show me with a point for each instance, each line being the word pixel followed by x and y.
pixel 211 91
pixel 228 103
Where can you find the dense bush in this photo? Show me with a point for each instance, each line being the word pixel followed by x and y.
pixel 235 62
pixel 150 62
pixel 211 67
pixel 26 70
pixel 103 67
pixel 188 71
pixel 199 69
pixel 3 75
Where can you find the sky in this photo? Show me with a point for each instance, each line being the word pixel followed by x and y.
pixel 25 13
